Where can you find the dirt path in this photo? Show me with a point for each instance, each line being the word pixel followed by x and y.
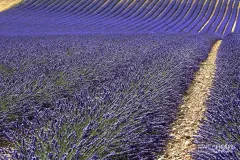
pixel 6 4
pixel 191 112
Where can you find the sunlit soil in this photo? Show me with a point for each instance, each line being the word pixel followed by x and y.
pixel 191 111
pixel 235 23
pixel 6 4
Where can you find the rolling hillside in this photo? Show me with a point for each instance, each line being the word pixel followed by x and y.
pixel 121 16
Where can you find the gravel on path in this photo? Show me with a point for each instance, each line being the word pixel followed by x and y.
pixel 192 111
pixel 6 4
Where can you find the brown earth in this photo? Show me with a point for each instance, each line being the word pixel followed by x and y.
pixel 6 4
pixel 191 111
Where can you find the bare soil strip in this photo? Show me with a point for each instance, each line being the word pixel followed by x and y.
pixel 6 4
pixel 191 111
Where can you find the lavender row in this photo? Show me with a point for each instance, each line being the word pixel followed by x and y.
pixel 94 97
pixel 84 17
pixel 219 134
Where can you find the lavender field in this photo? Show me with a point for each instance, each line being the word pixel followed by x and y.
pixel 104 79
pixel 121 16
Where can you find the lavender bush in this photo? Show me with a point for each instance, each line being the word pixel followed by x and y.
pixel 94 97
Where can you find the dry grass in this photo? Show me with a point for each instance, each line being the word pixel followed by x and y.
pixel 191 111
pixel 6 4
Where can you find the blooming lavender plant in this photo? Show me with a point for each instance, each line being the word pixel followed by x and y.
pixel 95 97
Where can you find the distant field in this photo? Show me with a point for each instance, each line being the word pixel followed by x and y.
pixel 126 16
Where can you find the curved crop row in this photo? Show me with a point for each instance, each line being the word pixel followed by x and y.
pixel 219 135
pixel 94 97
pixel 111 16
